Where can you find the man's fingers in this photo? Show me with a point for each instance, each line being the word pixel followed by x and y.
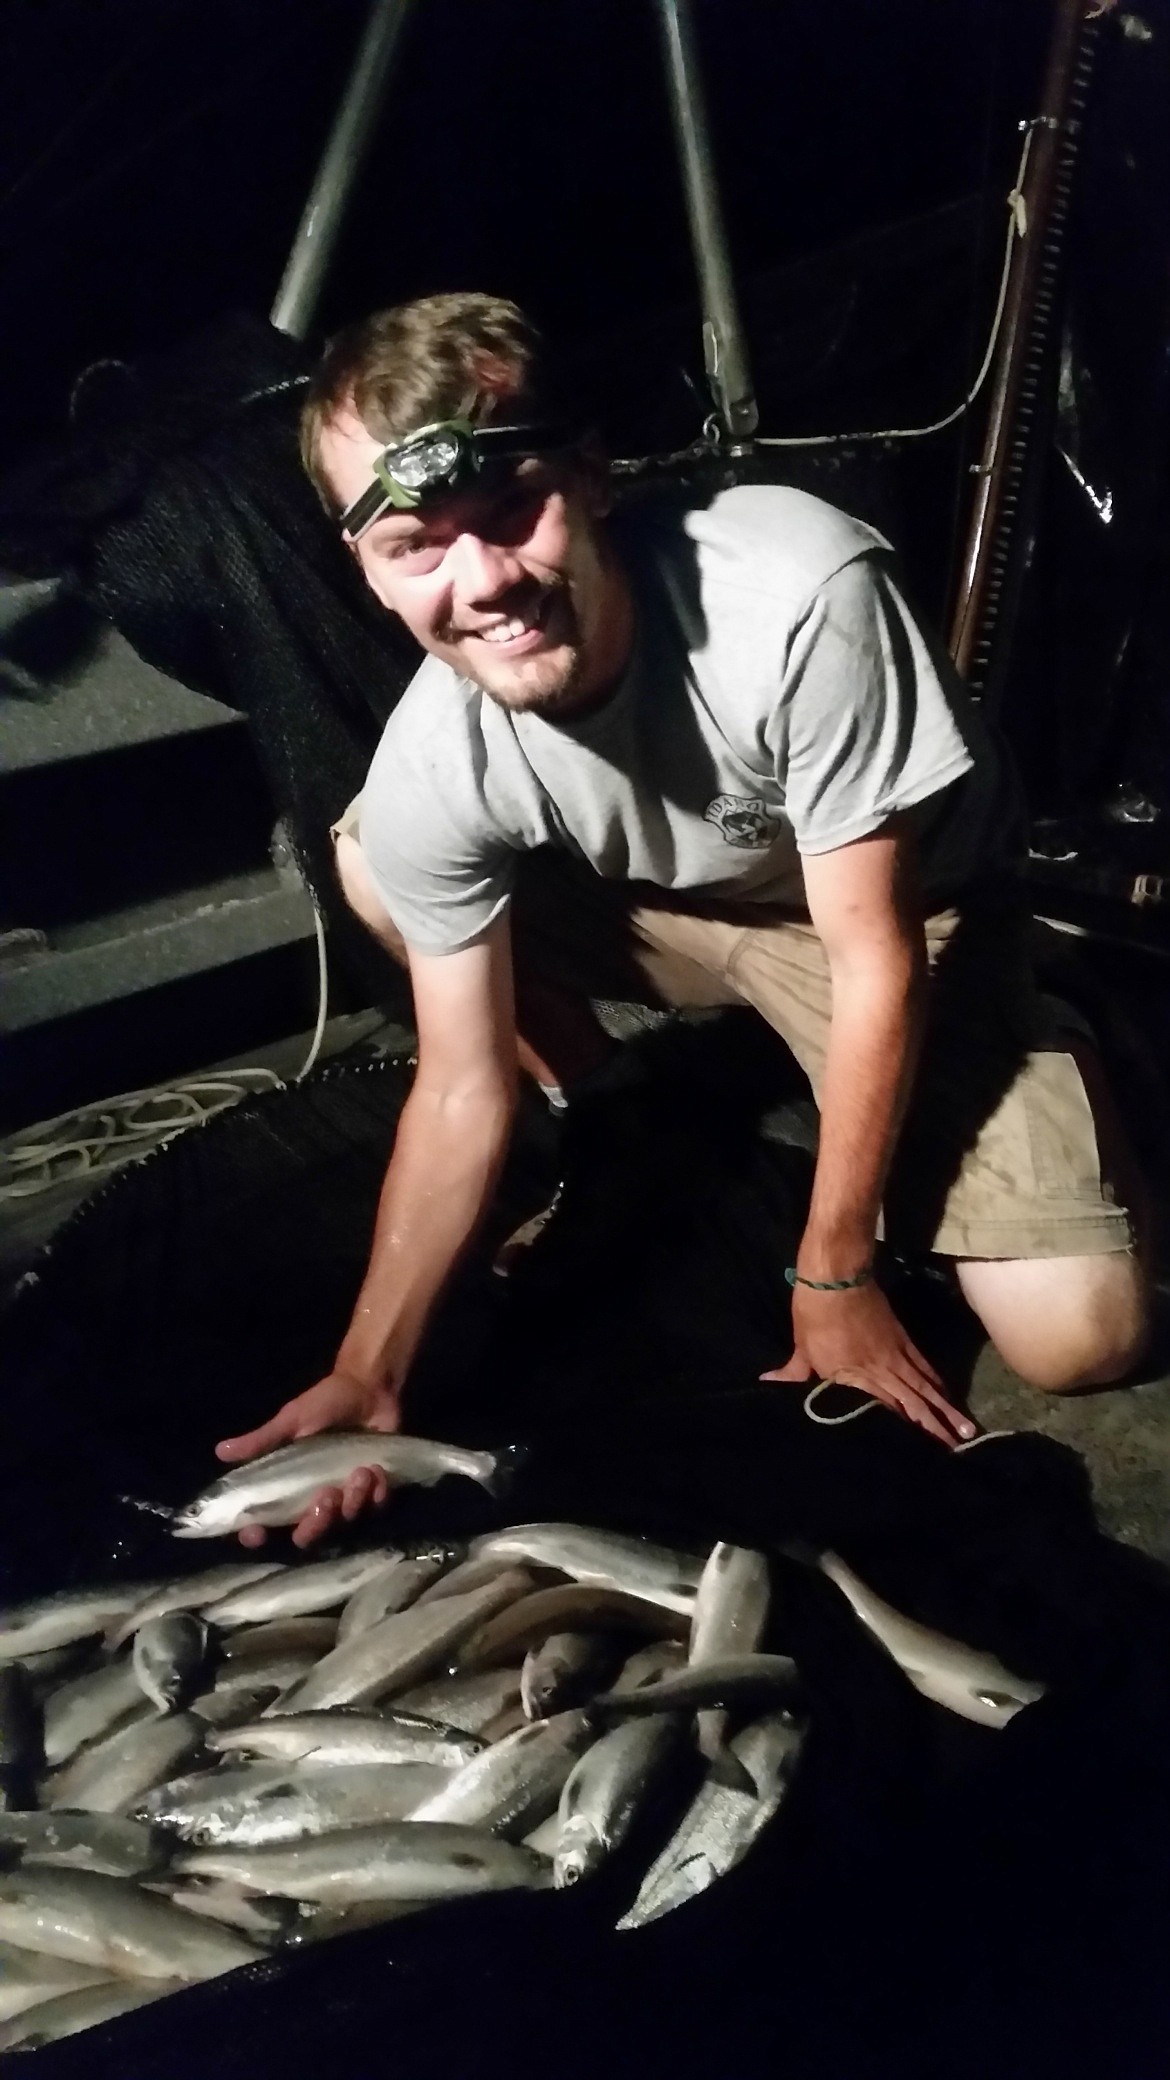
pixel 253 1535
pixel 321 1513
pixel 276 1431
pixel 358 1492
pixel 797 1370
pixel 381 1489
pixel 959 1423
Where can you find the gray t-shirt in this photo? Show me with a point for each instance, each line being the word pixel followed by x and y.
pixel 781 700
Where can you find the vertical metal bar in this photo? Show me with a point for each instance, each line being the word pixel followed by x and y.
pixel 724 347
pixel 317 232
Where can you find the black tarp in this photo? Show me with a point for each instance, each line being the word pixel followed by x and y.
pixel 935 1899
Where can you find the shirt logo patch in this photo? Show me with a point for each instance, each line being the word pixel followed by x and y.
pixel 743 819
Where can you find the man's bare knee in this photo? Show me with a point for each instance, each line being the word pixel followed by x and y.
pixel 357 886
pixel 1062 1323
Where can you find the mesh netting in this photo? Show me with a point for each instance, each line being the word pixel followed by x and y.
pixel 934 1899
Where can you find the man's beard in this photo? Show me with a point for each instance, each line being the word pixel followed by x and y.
pixel 546 683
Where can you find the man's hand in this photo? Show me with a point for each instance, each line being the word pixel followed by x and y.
pixel 856 1339
pixel 338 1402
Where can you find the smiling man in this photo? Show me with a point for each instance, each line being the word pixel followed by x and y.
pixel 691 756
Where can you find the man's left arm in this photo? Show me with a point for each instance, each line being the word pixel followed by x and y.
pixel 863 901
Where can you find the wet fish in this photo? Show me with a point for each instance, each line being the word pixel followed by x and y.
pixel 280 1637
pixel 395 1652
pixel 169 1656
pixel 470 1574
pixel 316 1924
pixel 234 1706
pixel 114 1925
pixel 743 1681
pixel 104 1842
pixel 966 1680
pixel 662 1657
pixel 275 1489
pixel 263 1920
pixel 513 1785
pixel 510 1720
pixel 58 1664
pixel 605 1558
pixel 578 1607
pixel 72 1614
pixel 300 1592
pixel 108 1776
pixel 398 1860
pixel 265 1803
pixel 27 1977
pixel 604 1791
pixel 348 1738
pixel 392 1589
pixel 730 1617
pixel 264 1672
pixel 721 1822
pixel 468 1703
pixel 69 2013
pixel 21 1735
pixel 566 1667
pixel 192 1592
pixel 88 1707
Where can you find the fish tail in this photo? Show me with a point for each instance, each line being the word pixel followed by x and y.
pixel 510 1460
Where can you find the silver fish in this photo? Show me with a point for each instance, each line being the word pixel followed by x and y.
pixel 27 1977
pixel 104 1842
pixel 58 1665
pixel 267 1921
pixel 87 1708
pixel 22 1734
pixel 168 1657
pixel 72 1614
pixel 278 1487
pixel 570 1607
pixel 604 1558
pixel 513 1785
pixel 300 1592
pixel 661 1658
pixel 468 1703
pixel 721 1823
pixel 348 1738
pixel 604 1791
pixel 543 1838
pixel 108 1776
pixel 398 1860
pixel 730 1617
pixel 316 1924
pixel 562 1671
pixel 470 1574
pixel 742 1681
pixel 394 1652
pixel 396 1585
pixel 265 1803
pixel 114 1925
pixel 279 1637
pixel 966 1680
pixel 234 1706
pixel 269 1672
pixel 69 2013
pixel 192 1592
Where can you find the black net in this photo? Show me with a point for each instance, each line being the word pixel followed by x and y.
pixel 935 1899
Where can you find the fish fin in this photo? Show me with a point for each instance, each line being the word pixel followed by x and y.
pixel 727 1769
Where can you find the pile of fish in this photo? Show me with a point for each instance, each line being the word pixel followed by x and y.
pixel 194 1773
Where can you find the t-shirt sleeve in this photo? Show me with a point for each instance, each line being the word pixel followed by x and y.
pixel 872 715
pixel 443 873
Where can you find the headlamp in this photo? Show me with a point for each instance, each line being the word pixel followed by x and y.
pixel 439 459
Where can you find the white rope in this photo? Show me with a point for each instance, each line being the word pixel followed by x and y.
pixel 1017 228
pixel 851 1414
pixel 94 1139
pixel 322 997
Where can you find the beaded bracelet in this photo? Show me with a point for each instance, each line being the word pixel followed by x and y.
pixel 829 1285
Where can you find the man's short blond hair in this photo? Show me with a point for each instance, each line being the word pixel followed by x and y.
pixel 440 357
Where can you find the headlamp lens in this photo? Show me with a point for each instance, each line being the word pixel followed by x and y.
pixel 427 462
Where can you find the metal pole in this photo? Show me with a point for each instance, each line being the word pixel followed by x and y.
pixel 317 232
pixel 724 347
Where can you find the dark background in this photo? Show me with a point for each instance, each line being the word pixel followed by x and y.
pixel 155 155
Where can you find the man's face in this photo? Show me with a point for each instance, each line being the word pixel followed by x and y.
pixel 513 586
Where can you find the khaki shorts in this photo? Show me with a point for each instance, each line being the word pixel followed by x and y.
pixel 998 1155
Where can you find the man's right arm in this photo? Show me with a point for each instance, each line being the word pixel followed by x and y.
pixel 448 1152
